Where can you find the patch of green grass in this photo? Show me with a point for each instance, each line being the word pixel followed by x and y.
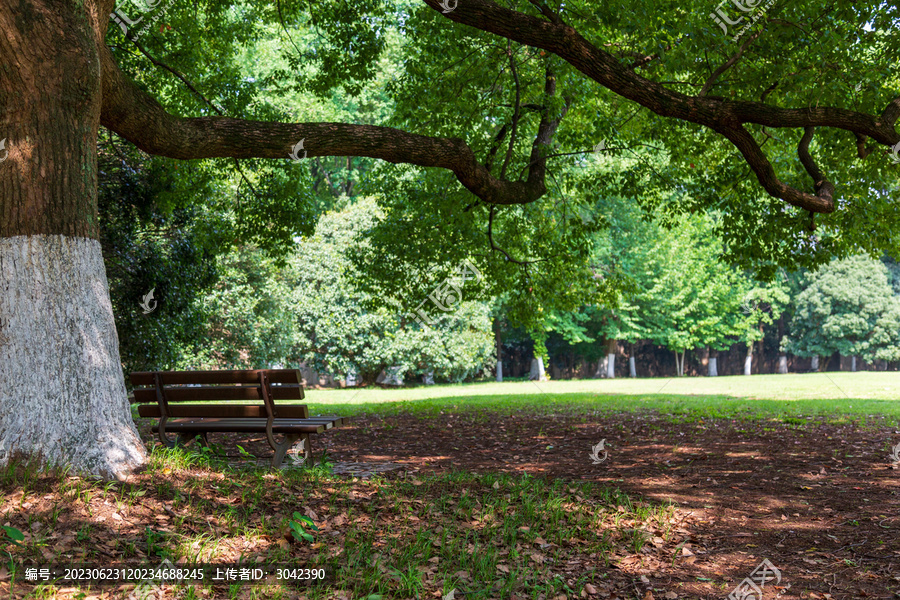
pixel 842 397
pixel 488 534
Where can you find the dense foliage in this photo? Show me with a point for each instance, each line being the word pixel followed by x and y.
pixel 848 307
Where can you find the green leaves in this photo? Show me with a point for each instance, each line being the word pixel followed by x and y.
pixel 298 527
pixel 847 307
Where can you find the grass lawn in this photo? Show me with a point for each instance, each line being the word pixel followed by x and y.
pixel 831 394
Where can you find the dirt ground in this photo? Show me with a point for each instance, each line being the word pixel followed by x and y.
pixel 819 501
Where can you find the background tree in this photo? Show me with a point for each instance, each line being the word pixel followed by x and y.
pixel 340 330
pixel 847 307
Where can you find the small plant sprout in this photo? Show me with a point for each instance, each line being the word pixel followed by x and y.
pixel 297 527
pixel 13 536
pixel 596 450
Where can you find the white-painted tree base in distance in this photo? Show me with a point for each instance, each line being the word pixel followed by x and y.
pixel 62 392
pixel 713 367
pixel 632 371
pixel 611 366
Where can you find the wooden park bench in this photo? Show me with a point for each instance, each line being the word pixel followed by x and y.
pixel 162 394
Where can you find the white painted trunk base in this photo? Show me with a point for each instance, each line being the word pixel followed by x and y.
pixel 814 367
pixel 714 367
pixel 782 365
pixel 500 371
pixel 611 366
pixel 632 371
pixel 853 364
pixel 537 370
pixel 62 393
pixel 748 363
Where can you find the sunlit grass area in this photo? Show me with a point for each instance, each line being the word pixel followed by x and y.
pixel 492 534
pixel 814 394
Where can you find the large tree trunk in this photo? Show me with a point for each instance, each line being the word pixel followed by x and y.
pixel 62 393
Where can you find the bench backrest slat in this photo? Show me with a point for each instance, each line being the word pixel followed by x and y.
pixel 225 411
pixel 223 393
pixel 285 376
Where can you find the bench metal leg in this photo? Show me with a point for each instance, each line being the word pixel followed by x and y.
pixel 282 448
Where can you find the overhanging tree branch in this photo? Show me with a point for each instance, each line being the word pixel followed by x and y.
pixel 139 118
pixel 723 116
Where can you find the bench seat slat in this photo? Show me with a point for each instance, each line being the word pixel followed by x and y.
pixel 284 411
pixel 244 425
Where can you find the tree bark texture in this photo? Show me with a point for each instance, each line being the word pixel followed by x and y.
pixel 62 396
pixel 62 390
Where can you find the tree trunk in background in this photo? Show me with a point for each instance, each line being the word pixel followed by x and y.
pixel 537 370
pixel 853 364
pixel 679 363
pixel 748 362
pixel 499 352
pixel 782 364
pixel 713 363
pixel 611 359
pixel 814 366
pixel 632 371
pixel 62 391
pixel 761 355
pixel 601 367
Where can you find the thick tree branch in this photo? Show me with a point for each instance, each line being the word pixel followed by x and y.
pixel 139 118
pixel 824 188
pixel 723 116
